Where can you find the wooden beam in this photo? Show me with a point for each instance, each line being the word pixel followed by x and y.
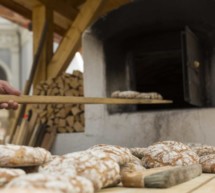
pixel 72 38
pixel 62 7
pixel 40 15
pixel 17 8
pixel 27 13
pixel 113 4
pixel 14 17
pixel 24 99
pixel 28 4
pixel 60 18
pixel 76 3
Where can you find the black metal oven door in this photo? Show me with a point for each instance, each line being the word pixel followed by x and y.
pixel 192 62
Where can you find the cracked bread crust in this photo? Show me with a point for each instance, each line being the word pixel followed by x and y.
pixel 24 190
pixel 202 149
pixel 208 163
pixel 53 182
pixel 133 166
pixel 170 153
pixel 18 155
pixel 60 165
pixel 7 174
pixel 96 166
pixel 121 155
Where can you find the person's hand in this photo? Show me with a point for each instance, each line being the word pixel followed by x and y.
pixel 6 88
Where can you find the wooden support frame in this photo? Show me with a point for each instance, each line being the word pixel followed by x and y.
pixel 60 23
pixel 71 41
pixel 42 15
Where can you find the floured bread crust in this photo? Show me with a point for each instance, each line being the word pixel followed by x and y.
pixel 124 94
pixel 149 95
pixel 121 155
pixel 202 149
pixel 27 190
pixel 98 167
pixel 138 151
pixel 60 165
pixel 17 155
pixel 7 174
pixel 134 94
pixel 53 182
pixel 134 165
pixel 208 163
pixel 169 153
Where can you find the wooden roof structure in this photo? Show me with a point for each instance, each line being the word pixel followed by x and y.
pixel 68 18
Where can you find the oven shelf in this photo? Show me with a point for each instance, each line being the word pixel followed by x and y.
pixel 35 99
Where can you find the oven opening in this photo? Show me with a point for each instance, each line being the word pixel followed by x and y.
pixel 156 64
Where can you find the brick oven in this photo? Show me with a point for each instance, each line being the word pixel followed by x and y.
pixel 150 45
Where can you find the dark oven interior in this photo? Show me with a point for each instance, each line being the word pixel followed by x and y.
pixel 167 48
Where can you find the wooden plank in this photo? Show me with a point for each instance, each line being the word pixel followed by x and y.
pixel 208 187
pixel 22 132
pixel 40 15
pixel 187 187
pixel 71 41
pixel 34 135
pixel 49 139
pixel 31 126
pixel 24 99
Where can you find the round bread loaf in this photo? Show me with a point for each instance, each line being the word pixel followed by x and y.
pixel 28 190
pixel 169 153
pixel 208 163
pixel 202 149
pixel 121 155
pixel 8 174
pixel 134 165
pixel 52 182
pixel 60 165
pixel 124 94
pixel 98 167
pixel 18 155
pixel 149 95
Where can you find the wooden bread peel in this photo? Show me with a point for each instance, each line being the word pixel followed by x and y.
pixel 171 177
pixel 25 99
pixel 136 179
pixel 162 177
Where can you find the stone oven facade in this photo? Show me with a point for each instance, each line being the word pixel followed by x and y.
pixel 150 45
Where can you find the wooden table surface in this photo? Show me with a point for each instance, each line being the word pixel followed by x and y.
pixel 202 184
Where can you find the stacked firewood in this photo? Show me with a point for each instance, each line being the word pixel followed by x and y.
pixel 63 117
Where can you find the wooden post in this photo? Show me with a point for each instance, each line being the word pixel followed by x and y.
pixel 41 14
